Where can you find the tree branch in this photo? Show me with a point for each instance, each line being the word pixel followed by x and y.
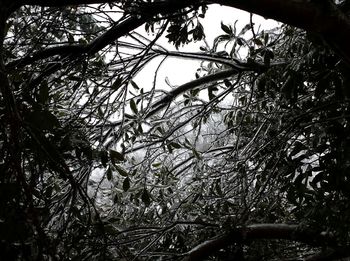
pixel 117 31
pixel 153 7
pixel 64 50
pixel 163 102
pixel 91 48
pixel 236 67
pixel 55 3
pixel 322 17
pixel 259 231
pixel 330 254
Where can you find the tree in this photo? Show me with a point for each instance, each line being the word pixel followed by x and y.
pixel 247 161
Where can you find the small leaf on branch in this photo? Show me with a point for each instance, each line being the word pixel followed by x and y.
pixel 121 171
pixel 134 85
pixel 226 28
pixel 146 198
pixel 126 184
pixel 133 106
pixel 117 83
pixel 109 173
pixel 116 156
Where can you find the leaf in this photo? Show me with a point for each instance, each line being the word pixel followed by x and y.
pixel 116 199
pixel 121 171
pixel 176 145
pixel 100 112
pixel 157 164
pixel 146 198
pixel 43 120
pixel 196 154
pixel 321 87
pixel 170 148
pixel 218 187
pixel 226 28
pixel 299 179
pixel 134 85
pixel 70 38
pixel 245 29
pixel 128 116
pixel 7 26
pixel 126 184
pixel 167 81
pixel 110 229
pixel 139 128
pixel 194 92
pixel 116 156
pixel 133 106
pixel 261 86
pixel 51 152
pixel 288 88
pixel 188 142
pixel 298 147
pixel 48 191
pixel 266 38
pixel 117 83
pixel 104 158
pixel 198 32
pixel 257 41
pixel 87 151
pixel 300 157
pixel 44 92
pixel 239 41
pixel 319 177
pixel 109 173
pixel 268 55
pixel 226 82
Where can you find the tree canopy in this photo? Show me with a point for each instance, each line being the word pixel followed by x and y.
pixel 248 161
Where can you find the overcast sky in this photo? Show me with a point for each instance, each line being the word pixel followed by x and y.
pixel 180 71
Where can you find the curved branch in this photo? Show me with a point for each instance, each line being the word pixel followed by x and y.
pixel 43 54
pixel 322 17
pixel 167 99
pixel 259 231
pixel 330 254
pixel 163 102
pixel 54 3
pixel 91 48
pixel 236 65
pixel 233 63
pixel 118 30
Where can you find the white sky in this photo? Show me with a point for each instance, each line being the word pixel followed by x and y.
pixel 180 71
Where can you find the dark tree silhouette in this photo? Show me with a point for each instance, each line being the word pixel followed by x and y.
pixel 250 160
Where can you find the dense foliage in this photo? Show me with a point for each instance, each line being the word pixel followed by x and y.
pixel 249 161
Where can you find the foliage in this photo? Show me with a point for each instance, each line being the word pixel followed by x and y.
pixel 97 167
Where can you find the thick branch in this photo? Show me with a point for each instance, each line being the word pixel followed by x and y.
pixel 259 231
pixel 114 33
pixel 236 65
pixel 330 254
pixel 93 47
pixel 154 7
pixel 321 17
pixel 46 53
pixel 163 102
pixel 117 31
pixel 55 3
